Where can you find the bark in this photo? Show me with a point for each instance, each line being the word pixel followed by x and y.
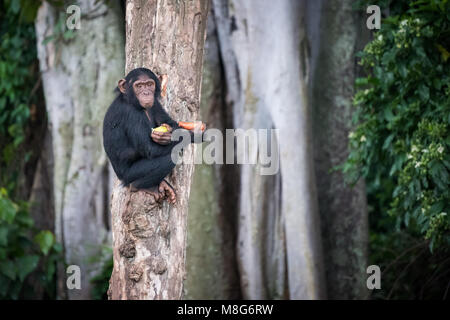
pixel 78 78
pixel 342 208
pixel 266 68
pixel 149 240
pixel 210 255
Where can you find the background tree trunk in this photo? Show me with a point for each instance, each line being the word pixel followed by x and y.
pixel 149 240
pixel 78 78
pixel 266 69
pixel 210 257
pixel 340 33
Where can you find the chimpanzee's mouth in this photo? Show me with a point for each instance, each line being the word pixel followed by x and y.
pixel 145 96
pixel 146 100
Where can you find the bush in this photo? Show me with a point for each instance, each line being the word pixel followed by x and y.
pixel 20 78
pixel 401 144
pixel 27 256
pixel 24 250
pixel 100 283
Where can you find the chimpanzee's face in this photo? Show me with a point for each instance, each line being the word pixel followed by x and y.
pixel 144 89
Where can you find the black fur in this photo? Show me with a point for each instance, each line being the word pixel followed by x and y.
pixel 134 156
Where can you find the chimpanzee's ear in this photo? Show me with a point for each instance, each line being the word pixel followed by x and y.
pixel 163 80
pixel 121 85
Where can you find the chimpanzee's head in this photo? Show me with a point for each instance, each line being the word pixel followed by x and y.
pixel 141 88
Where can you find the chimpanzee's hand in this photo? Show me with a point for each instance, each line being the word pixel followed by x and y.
pixel 162 137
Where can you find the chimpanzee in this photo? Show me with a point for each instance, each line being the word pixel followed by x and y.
pixel 140 157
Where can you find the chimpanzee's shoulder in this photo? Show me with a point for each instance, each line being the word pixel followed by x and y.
pixel 115 114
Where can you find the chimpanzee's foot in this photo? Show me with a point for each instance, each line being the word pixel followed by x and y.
pixel 168 190
pixel 154 191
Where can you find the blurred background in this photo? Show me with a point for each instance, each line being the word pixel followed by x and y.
pixel 367 149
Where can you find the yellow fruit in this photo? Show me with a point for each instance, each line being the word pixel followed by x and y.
pixel 160 129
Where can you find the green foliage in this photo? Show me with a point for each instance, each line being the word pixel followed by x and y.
pixel 20 79
pixel 26 9
pixel 401 144
pixel 101 281
pixel 24 250
pixel 19 74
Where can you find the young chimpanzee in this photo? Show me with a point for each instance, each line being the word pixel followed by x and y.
pixel 140 157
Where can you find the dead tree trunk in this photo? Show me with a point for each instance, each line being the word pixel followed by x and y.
pixel 149 239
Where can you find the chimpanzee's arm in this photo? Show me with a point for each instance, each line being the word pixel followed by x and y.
pixel 127 156
pixel 163 117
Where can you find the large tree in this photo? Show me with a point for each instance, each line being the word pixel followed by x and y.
pixel 210 257
pixel 264 50
pixel 336 33
pixel 149 239
pixel 78 77
pixel 270 73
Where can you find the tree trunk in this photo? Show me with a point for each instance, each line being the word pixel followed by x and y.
pixel 266 67
pixel 78 78
pixel 210 256
pixel 149 240
pixel 41 196
pixel 342 208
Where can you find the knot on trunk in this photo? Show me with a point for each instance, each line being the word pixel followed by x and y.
pixel 136 272
pixel 164 229
pixel 159 266
pixel 138 202
pixel 142 215
pixel 127 249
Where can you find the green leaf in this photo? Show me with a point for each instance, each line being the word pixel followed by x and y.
pixel 8 269
pixel 387 142
pixel 8 210
pixel 437 207
pixel 45 240
pixel 361 81
pixel 424 92
pixel 15 6
pixel 57 247
pixel 3 235
pixel 444 53
pixel 388 115
pixel 26 265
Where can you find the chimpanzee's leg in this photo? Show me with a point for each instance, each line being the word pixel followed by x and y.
pixel 148 173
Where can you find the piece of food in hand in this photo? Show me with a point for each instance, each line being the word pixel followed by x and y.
pixel 160 129
pixel 190 125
